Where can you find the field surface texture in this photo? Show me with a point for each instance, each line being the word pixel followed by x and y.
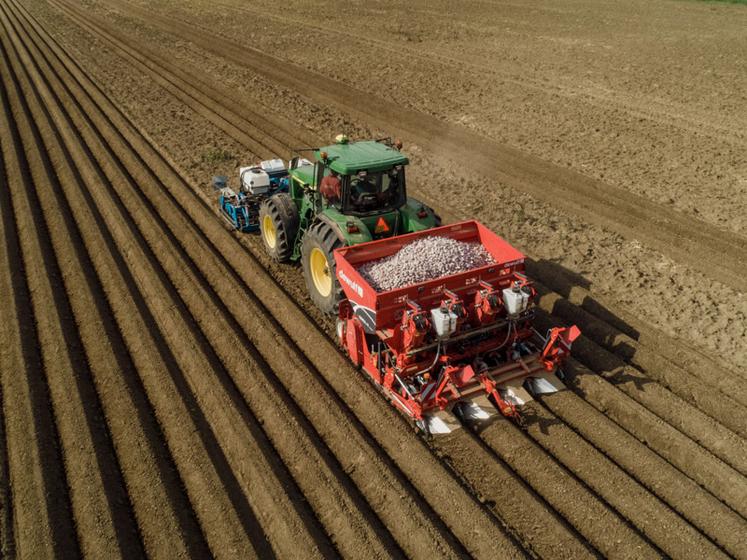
pixel 169 392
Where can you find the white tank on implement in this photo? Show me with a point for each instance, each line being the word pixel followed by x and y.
pixel 515 299
pixel 444 322
pixel 254 180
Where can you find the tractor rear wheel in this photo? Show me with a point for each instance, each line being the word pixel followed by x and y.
pixel 319 266
pixel 278 224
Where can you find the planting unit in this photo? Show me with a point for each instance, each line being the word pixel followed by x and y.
pixel 456 347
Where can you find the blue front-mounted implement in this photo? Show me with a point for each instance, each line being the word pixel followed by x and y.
pixel 257 183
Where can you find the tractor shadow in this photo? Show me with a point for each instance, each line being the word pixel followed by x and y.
pixel 592 316
pixel 609 343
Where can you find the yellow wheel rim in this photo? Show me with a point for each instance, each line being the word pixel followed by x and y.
pixel 269 233
pixel 320 272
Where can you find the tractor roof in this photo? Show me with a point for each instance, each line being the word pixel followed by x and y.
pixel 368 155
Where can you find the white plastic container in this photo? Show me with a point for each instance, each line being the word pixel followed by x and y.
pixel 254 180
pixel 515 300
pixel 444 322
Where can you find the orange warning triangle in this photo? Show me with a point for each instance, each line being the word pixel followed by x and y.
pixel 381 225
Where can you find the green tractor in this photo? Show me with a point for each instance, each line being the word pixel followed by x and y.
pixel 363 198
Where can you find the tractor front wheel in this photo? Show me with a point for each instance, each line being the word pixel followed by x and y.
pixel 278 224
pixel 319 266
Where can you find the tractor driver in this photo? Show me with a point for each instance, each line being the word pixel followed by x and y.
pixel 331 188
pixel 365 192
pixel 371 191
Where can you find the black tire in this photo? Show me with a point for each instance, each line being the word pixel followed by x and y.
pixel 323 238
pixel 281 212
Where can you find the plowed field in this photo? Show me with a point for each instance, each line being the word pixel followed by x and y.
pixel 168 392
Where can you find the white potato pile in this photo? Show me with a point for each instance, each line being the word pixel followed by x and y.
pixel 427 258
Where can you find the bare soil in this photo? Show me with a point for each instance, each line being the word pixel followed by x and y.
pixel 167 391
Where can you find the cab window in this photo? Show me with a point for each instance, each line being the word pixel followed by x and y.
pixel 375 191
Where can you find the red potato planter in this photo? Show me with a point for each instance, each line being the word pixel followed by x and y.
pixel 458 347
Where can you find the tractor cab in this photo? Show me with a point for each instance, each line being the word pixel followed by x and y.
pixel 371 174
pixel 354 192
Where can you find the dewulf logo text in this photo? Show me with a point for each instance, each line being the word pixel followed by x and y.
pixel 352 283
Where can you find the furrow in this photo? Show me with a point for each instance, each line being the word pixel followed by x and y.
pixel 687 456
pixel 647 513
pixel 268 486
pixel 716 520
pixel 40 509
pixel 690 421
pixel 7 546
pixel 211 486
pixel 10 346
pixel 588 510
pixel 162 510
pixel 101 508
pixel 535 520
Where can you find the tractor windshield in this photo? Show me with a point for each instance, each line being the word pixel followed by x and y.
pixel 374 192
